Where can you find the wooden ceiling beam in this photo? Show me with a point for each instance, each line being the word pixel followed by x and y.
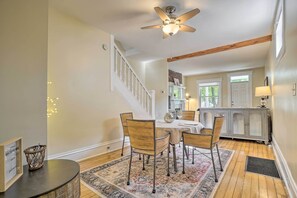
pixel 222 48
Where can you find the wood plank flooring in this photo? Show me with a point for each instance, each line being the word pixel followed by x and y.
pixel 235 183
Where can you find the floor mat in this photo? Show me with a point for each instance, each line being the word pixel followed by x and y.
pixel 262 166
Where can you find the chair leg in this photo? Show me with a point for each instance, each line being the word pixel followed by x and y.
pixel 148 159
pixel 139 156
pixel 193 156
pixel 123 146
pixel 128 182
pixel 213 164
pixel 219 157
pixel 168 173
pixel 154 182
pixel 187 154
pixel 184 150
pixel 143 168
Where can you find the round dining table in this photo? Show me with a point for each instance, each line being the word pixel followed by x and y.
pixel 175 130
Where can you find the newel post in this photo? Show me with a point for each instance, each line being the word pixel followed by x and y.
pixel 112 61
pixel 153 100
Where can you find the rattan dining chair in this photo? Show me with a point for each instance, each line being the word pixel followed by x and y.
pixel 188 115
pixel 207 139
pixel 143 140
pixel 124 117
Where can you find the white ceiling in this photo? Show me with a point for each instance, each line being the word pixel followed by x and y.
pixel 219 23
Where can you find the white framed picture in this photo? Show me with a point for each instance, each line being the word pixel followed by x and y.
pixel 176 81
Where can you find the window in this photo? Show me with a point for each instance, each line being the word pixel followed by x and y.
pixel 279 35
pixel 279 32
pixel 209 93
pixel 243 78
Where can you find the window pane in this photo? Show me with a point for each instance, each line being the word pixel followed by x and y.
pixel 279 35
pixel 209 94
pixel 209 101
pixel 242 78
pixel 209 90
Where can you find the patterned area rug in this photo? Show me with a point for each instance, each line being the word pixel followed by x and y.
pixel 110 179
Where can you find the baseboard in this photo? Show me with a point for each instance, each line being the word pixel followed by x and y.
pixel 284 170
pixel 90 151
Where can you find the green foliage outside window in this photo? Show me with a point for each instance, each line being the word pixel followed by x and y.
pixel 209 96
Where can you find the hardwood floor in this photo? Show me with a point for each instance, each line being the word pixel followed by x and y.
pixel 235 183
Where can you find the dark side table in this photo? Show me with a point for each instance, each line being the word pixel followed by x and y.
pixel 57 178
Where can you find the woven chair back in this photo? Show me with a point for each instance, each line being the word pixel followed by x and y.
pixel 124 118
pixel 217 127
pixel 142 134
pixel 188 115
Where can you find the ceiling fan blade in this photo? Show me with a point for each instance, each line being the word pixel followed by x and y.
pixel 184 17
pixel 165 35
pixel 152 27
pixel 161 13
pixel 186 28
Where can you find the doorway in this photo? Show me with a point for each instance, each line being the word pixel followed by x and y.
pixel 240 93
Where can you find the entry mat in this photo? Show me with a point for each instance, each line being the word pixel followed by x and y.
pixel 262 166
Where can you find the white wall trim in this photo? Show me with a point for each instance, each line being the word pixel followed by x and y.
pixel 90 151
pixel 250 73
pixel 284 169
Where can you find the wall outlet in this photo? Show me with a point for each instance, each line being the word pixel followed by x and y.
pixel 294 89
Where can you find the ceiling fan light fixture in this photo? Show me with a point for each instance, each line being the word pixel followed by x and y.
pixel 171 23
pixel 170 29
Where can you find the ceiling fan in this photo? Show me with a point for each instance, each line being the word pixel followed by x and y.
pixel 172 24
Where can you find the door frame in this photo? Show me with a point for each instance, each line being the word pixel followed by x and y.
pixel 250 84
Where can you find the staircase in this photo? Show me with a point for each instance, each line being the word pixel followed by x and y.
pixel 126 81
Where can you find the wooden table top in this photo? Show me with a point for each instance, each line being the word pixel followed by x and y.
pixel 53 174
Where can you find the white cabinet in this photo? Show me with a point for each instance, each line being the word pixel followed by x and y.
pixel 242 123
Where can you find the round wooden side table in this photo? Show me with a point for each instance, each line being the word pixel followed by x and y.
pixel 57 178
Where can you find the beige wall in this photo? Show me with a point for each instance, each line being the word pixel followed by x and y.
pixel 191 86
pixel 23 64
pixel 284 104
pixel 88 112
pixel 156 78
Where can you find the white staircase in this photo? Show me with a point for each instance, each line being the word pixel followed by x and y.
pixel 126 81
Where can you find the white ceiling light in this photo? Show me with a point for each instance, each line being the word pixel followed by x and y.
pixel 170 28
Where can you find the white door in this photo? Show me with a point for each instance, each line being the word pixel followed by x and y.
pixel 240 96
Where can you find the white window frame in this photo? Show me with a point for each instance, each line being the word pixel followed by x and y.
pixel 280 15
pixel 213 80
pixel 250 74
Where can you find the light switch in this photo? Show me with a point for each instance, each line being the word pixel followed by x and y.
pixel 294 89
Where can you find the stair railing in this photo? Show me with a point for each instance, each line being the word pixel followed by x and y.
pixel 123 70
